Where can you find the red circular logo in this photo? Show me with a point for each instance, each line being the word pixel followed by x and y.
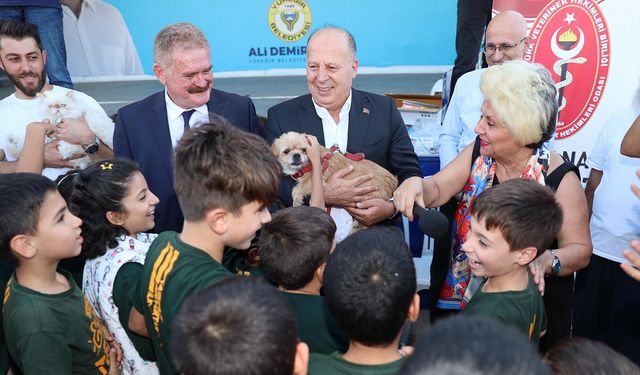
pixel 571 39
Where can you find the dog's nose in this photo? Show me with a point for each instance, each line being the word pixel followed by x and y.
pixel 296 158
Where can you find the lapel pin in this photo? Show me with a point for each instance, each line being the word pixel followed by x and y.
pixel 365 111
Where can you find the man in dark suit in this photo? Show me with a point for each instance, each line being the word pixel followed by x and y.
pixel 355 120
pixel 148 130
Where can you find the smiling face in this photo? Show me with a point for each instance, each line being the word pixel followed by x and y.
pixel 139 205
pixel 58 234
pixel 331 68
pixel 488 252
pixel 496 140
pixel 242 227
pixel 23 62
pixel 188 78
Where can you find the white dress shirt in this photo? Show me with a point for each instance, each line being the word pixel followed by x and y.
pixel 98 43
pixel 463 114
pixel 176 121
pixel 337 134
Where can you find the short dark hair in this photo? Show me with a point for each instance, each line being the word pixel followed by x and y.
pixel 217 165
pixel 98 189
pixel 525 212
pixel 22 197
pixel 473 345
pixel 218 327
pixel 579 355
pixel 295 243
pixel 19 30
pixel 369 284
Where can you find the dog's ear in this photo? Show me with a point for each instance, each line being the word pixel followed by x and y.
pixel 274 148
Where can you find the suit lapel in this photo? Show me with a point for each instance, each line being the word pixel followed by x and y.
pixel 359 116
pixel 216 106
pixel 159 127
pixel 308 120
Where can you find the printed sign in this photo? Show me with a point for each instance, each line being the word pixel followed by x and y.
pixel 571 39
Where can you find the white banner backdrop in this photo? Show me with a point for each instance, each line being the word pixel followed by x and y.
pixel 591 50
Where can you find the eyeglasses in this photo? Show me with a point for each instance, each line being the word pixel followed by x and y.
pixel 490 48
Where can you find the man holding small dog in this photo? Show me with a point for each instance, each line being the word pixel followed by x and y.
pixel 354 120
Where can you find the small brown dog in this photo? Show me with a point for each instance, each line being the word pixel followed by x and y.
pixel 290 149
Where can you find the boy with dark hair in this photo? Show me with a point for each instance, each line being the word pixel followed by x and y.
pixel 512 224
pixel 488 348
pixel 580 355
pixel 294 247
pixel 370 287
pixel 49 325
pixel 240 326
pixel 224 179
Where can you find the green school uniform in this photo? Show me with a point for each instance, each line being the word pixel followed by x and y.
pixel 53 333
pixel 323 364
pixel 172 272
pixel 316 325
pixel 523 309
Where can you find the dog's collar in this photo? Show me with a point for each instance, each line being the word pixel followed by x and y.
pixel 325 162
pixel 308 168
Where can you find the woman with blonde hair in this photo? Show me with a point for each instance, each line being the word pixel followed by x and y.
pixel 518 115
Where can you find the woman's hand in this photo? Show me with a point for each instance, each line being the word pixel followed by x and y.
pixel 538 269
pixel 407 194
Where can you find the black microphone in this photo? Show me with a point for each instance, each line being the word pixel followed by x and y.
pixel 432 223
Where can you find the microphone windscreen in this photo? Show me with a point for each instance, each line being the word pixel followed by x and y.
pixel 432 223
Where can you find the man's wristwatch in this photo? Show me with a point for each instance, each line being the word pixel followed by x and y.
pixel 93 148
pixel 395 212
pixel 555 264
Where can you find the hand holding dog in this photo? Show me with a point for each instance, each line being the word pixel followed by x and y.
pixel 371 211
pixel 342 192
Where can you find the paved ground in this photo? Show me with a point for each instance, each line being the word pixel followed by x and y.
pixel 265 91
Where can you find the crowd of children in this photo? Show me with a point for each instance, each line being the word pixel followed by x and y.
pixel 166 304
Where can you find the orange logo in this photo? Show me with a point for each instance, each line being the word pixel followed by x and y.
pixel 571 39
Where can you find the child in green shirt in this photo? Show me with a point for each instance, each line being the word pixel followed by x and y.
pixel 240 326
pixel 224 179
pixel 370 287
pixel 49 325
pixel 512 224
pixel 293 249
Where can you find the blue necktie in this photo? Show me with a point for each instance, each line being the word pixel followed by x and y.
pixel 186 116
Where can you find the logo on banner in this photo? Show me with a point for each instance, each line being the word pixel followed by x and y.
pixel 289 20
pixel 571 39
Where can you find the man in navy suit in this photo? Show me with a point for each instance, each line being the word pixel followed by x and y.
pixel 148 130
pixel 356 121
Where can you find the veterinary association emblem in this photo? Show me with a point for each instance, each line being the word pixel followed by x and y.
pixel 289 20
pixel 571 39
